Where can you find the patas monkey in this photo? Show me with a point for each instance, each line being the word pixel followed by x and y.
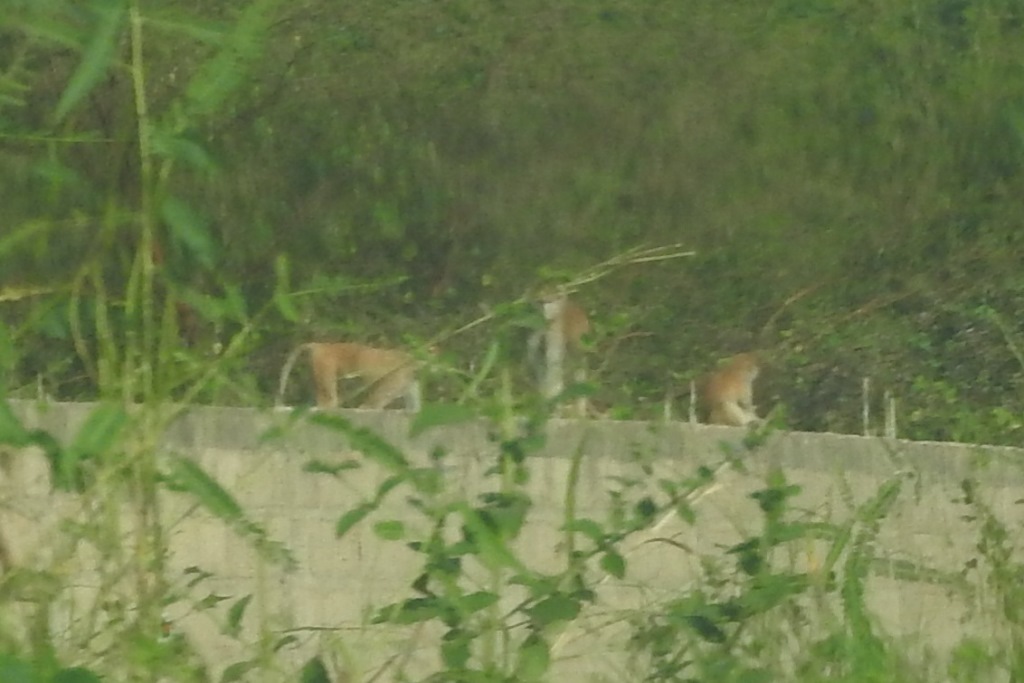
pixel 727 394
pixel 387 374
pixel 566 324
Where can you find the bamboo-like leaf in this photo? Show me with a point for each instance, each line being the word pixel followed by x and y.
pixel 238 670
pixel 285 641
pixel 15 237
pixel 179 148
pixel 282 285
pixel 191 229
pixel 169 20
pixel 474 602
pixel 189 477
pixel 47 28
pixel 411 611
pixel 706 628
pixel 219 77
pixel 353 517
pixel 96 437
pixel 97 58
pixel 366 441
pixel 334 469
pixel 389 530
pixel 236 612
pixel 100 431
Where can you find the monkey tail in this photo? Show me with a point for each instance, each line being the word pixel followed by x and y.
pixel 286 371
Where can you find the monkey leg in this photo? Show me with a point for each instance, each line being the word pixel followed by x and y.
pixel 731 413
pixel 387 390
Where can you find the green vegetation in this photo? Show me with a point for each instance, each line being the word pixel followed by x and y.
pixel 848 174
pixel 192 188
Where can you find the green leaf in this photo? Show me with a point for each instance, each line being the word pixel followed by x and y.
pixel 411 611
pixel 750 675
pixel 390 530
pixel 96 437
pixel 455 650
pixel 282 285
pixel 12 432
pixel 238 670
pixel 588 528
pixel 190 229
pixel 100 431
pixel 13 670
pixel 773 499
pixel 314 671
pixel 770 591
pixel 366 441
pixel 645 508
pixel 333 469
pixel 686 512
pixel 180 148
pixel 234 303
pixel 706 628
pixel 235 614
pixel 534 659
pixel 353 517
pixel 220 77
pixel 47 28
pixel 211 600
pixel 98 56
pixel 613 563
pixel 433 415
pixel 15 237
pixel 490 547
pixel 189 477
pixel 75 674
pixel 169 20
pixel 474 602
pixel 557 607
pixel 426 480
pixel 386 487
pixel 284 642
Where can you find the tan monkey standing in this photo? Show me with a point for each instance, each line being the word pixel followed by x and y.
pixel 387 374
pixel 567 323
pixel 727 394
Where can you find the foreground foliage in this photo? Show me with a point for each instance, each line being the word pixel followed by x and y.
pixel 788 601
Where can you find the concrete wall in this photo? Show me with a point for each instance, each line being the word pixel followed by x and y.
pixel 337 581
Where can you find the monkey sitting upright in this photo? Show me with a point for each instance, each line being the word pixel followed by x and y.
pixel 573 324
pixel 727 394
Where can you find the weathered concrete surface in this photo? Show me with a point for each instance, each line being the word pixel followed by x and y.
pixel 338 580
